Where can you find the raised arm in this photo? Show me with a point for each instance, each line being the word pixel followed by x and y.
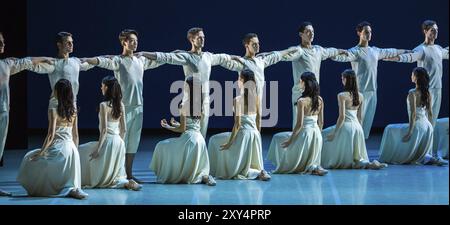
pixel 237 124
pixel 298 125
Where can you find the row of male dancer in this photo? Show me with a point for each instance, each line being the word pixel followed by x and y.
pixel 129 68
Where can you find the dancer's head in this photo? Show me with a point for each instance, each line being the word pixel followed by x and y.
pixel 351 85
pixel 129 39
pixel 196 37
pixel 193 89
pixel 63 92
pixel 306 32
pixel 421 78
pixel 2 43
pixel 364 31
pixel 113 95
pixel 251 43
pixel 310 87
pixel 430 29
pixel 247 83
pixel 64 42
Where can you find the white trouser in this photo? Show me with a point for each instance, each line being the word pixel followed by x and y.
pixel 4 120
pixel 368 111
pixel 134 116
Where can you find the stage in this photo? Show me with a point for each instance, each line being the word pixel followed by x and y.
pixel 395 185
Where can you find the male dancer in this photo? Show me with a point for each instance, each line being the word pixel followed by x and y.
pixel 196 63
pixel 129 71
pixel 364 61
pixel 308 57
pixel 256 63
pixel 9 67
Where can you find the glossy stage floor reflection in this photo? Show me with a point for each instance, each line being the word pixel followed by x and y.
pixel 394 185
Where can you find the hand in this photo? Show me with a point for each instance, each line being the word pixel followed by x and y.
pixel 343 52
pixel 164 124
pixel 406 137
pixel 331 136
pixel 173 122
pixel 94 155
pixel 225 146
pixel 286 143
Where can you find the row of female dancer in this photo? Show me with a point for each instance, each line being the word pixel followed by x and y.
pixel 59 168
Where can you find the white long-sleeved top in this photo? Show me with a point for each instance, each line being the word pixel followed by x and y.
pixel 63 69
pixel 10 67
pixel 364 61
pixel 308 59
pixel 197 65
pixel 429 57
pixel 129 71
pixel 256 64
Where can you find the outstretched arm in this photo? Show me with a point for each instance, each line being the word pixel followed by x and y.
pixel 411 57
pixel 332 52
pixel 445 53
pixel 390 52
pixel 294 54
pixel 18 65
pixel 352 55
pixel 235 63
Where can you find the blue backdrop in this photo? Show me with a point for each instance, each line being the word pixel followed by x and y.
pixel 162 26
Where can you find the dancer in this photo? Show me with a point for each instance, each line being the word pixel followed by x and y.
pixel 63 67
pixel 308 57
pixel 364 61
pixel 103 161
pixel 184 159
pixel 412 143
pixel 345 145
pixel 9 67
pixel 196 63
pixel 429 56
pixel 129 71
pixel 238 155
pixel 54 170
pixel 299 151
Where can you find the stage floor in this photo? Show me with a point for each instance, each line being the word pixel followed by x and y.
pixel 398 185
